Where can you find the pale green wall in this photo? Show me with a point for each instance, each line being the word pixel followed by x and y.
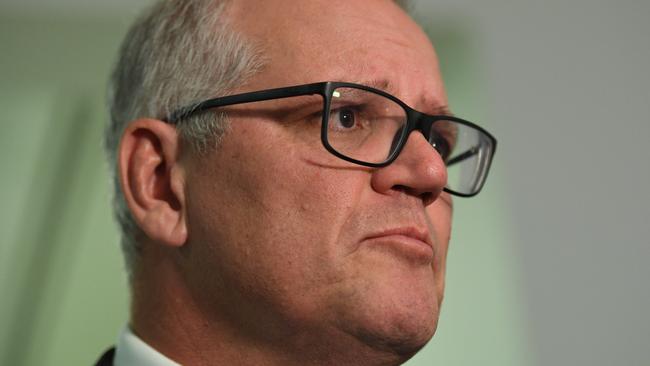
pixel 63 289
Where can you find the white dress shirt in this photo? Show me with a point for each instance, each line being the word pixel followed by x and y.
pixel 133 351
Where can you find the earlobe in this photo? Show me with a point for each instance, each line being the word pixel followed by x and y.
pixel 152 180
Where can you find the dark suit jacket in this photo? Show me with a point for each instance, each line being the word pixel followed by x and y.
pixel 107 358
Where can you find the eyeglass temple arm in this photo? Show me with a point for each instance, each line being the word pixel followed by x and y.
pixel 466 155
pixel 257 96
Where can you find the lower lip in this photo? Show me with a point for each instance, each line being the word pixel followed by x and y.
pixel 405 246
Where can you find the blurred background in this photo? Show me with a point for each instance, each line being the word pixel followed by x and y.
pixel 548 266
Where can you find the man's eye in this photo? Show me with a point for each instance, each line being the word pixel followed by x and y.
pixel 343 119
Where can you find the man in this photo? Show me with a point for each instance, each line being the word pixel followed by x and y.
pixel 305 218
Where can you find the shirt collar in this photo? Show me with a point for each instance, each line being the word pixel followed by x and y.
pixel 133 351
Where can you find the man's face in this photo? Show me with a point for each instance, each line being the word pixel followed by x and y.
pixel 288 241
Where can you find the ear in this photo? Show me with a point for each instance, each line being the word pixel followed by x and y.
pixel 152 180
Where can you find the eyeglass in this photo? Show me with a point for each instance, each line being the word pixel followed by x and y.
pixel 369 127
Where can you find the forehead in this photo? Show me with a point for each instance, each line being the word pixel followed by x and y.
pixel 319 40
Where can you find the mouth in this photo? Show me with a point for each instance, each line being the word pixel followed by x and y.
pixel 409 242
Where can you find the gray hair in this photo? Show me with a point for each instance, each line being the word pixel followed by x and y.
pixel 177 53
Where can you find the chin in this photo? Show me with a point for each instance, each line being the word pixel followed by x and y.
pixel 392 310
pixel 403 338
pixel 397 331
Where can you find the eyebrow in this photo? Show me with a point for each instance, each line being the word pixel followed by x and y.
pixel 389 87
pixel 381 84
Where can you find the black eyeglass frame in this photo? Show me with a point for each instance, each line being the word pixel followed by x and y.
pixel 416 120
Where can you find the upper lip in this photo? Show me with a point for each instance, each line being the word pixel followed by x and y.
pixel 410 231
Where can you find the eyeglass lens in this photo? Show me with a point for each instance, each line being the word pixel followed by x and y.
pixel 364 126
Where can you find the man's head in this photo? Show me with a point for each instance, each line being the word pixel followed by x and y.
pixel 248 231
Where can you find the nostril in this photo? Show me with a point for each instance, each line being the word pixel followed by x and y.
pixel 427 197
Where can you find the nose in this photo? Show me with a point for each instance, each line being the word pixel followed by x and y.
pixel 418 171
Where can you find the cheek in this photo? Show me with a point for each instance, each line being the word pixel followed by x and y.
pixel 316 206
pixel 270 216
